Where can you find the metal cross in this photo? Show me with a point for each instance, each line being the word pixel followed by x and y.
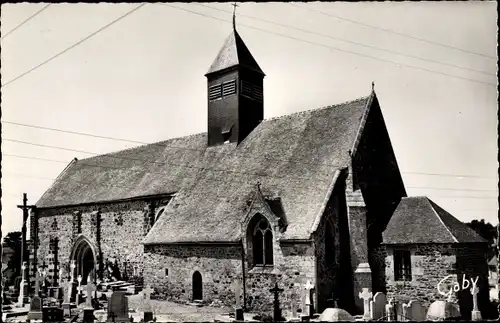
pixel 234 14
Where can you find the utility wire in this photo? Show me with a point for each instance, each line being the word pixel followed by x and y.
pixel 241 154
pixel 335 48
pixel 353 42
pixel 394 32
pixel 161 173
pixel 224 196
pixel 154 162
pixel 74 45
pixel 25 21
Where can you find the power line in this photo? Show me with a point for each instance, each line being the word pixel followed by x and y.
pixel 154 162
pixel 337 49
pixel 353 42
pixel 25 21
pixel 394 32
pixel 160 173
pixel 241 154
pixel 75 44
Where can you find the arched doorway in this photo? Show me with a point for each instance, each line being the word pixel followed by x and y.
pixel 197 286
pixel 84 255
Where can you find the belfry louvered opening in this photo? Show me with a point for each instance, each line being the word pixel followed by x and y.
pixel 229 88
pixel 222 90
pixel 215 92
pixel 251 91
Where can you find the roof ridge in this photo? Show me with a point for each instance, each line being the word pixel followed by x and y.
pixel 440 219
pixel 318 109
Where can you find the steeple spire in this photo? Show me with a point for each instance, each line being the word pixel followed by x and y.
pixel 234 15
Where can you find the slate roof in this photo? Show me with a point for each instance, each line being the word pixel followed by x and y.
pixel 420 220
pixel 234 52
pixel 288 155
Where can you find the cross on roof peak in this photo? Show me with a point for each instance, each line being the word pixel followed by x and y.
pixel 234 14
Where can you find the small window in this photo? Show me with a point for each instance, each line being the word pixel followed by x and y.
pixel 166 272
pixel 402 265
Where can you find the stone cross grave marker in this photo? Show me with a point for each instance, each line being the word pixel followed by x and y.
pixel 90 288
pixel 79 290
pixel 389 310
pixel 416 312
pixel 378 307
pixel 238 315
pixel 332 302
pixel 476 314
pixel 276 308
pixel 308 310
pixel 366 295
pixel 118 307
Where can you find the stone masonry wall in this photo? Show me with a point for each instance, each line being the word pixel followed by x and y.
pixel 118 235
pixel 218 266
pixel 294 265
pixel 429 265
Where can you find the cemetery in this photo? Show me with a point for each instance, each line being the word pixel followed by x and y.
pixel 114 301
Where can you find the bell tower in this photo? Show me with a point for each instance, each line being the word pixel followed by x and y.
pixel 235 92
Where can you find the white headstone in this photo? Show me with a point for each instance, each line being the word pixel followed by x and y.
pixel 366 295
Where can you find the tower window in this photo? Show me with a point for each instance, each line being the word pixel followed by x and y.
pixel 251 91
pixel 215 92
pixel 229 88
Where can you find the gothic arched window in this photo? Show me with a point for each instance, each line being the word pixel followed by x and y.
pixel 262 243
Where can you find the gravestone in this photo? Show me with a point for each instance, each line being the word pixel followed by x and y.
pixel 366 295
pixel 88 311
pixel 442 310
pixel 238 310
pixel 23 286
pixel 398 311
pixel 476 314
pixel 36 308
pixel 389 310
pixel 378 306
pixel 404 316
pixel 416 312
pixel 66 305
pixel 148 312
pixel 276 304
pixel 79 298
pixel 118 307
pixel 308 309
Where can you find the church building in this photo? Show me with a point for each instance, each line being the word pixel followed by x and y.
pixel 294 199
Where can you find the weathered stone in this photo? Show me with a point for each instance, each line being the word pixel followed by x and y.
pixel 440 310
pixel 335 315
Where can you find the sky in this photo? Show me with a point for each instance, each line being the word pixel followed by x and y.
pixel 142 79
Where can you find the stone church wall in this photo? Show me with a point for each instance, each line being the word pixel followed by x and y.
pixel 294 265
pixel 429 265
pixel 169 270
pixel 115 229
